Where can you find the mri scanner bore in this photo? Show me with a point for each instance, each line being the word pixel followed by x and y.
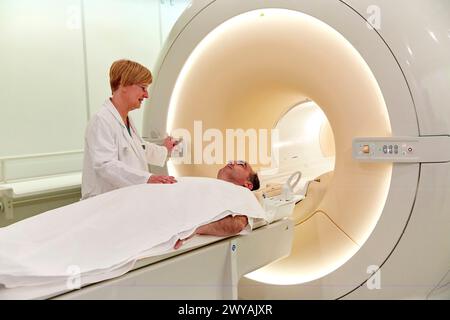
pixel 337 90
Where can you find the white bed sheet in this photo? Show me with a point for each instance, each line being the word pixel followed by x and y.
pixel 102 237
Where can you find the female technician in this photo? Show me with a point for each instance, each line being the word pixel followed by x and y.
pixel 115 156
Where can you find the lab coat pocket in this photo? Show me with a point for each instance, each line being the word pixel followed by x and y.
pixel 124 152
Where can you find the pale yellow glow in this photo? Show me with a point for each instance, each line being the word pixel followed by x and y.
pixel 280 276
pixel 337 79
pixel 196 54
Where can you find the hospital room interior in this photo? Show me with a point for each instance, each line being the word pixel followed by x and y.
pixel 342 108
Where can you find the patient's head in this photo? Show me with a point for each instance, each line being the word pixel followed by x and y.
pixel 240 173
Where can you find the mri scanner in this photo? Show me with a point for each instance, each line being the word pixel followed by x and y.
pixel 358 93
pixel 355 97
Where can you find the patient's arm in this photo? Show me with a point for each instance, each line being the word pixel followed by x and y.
pixel 224 227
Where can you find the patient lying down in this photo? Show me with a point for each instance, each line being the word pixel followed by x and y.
pixel 239 173
pixel 103 235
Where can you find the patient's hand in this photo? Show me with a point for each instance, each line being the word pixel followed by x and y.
pixel 180 242
pixel 161 179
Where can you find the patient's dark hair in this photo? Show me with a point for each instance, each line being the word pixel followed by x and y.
pixel 254 180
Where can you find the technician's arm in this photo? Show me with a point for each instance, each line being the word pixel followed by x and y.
pixel 156 155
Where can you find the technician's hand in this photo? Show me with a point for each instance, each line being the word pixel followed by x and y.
pixel 170 143
pixel 161 179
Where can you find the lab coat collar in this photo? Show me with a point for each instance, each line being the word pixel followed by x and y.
pixel 111 108
pixel 134 144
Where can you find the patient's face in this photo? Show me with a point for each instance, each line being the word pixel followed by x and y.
pixel 237 172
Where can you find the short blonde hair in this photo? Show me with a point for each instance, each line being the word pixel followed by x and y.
pixel 126 72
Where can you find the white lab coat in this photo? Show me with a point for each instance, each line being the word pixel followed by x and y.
pixel 112 158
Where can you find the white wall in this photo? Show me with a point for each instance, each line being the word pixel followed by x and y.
pixel 118 29
pixel 42 84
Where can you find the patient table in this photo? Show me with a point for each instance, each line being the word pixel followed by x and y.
pixel 119 258
pixel 204 267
